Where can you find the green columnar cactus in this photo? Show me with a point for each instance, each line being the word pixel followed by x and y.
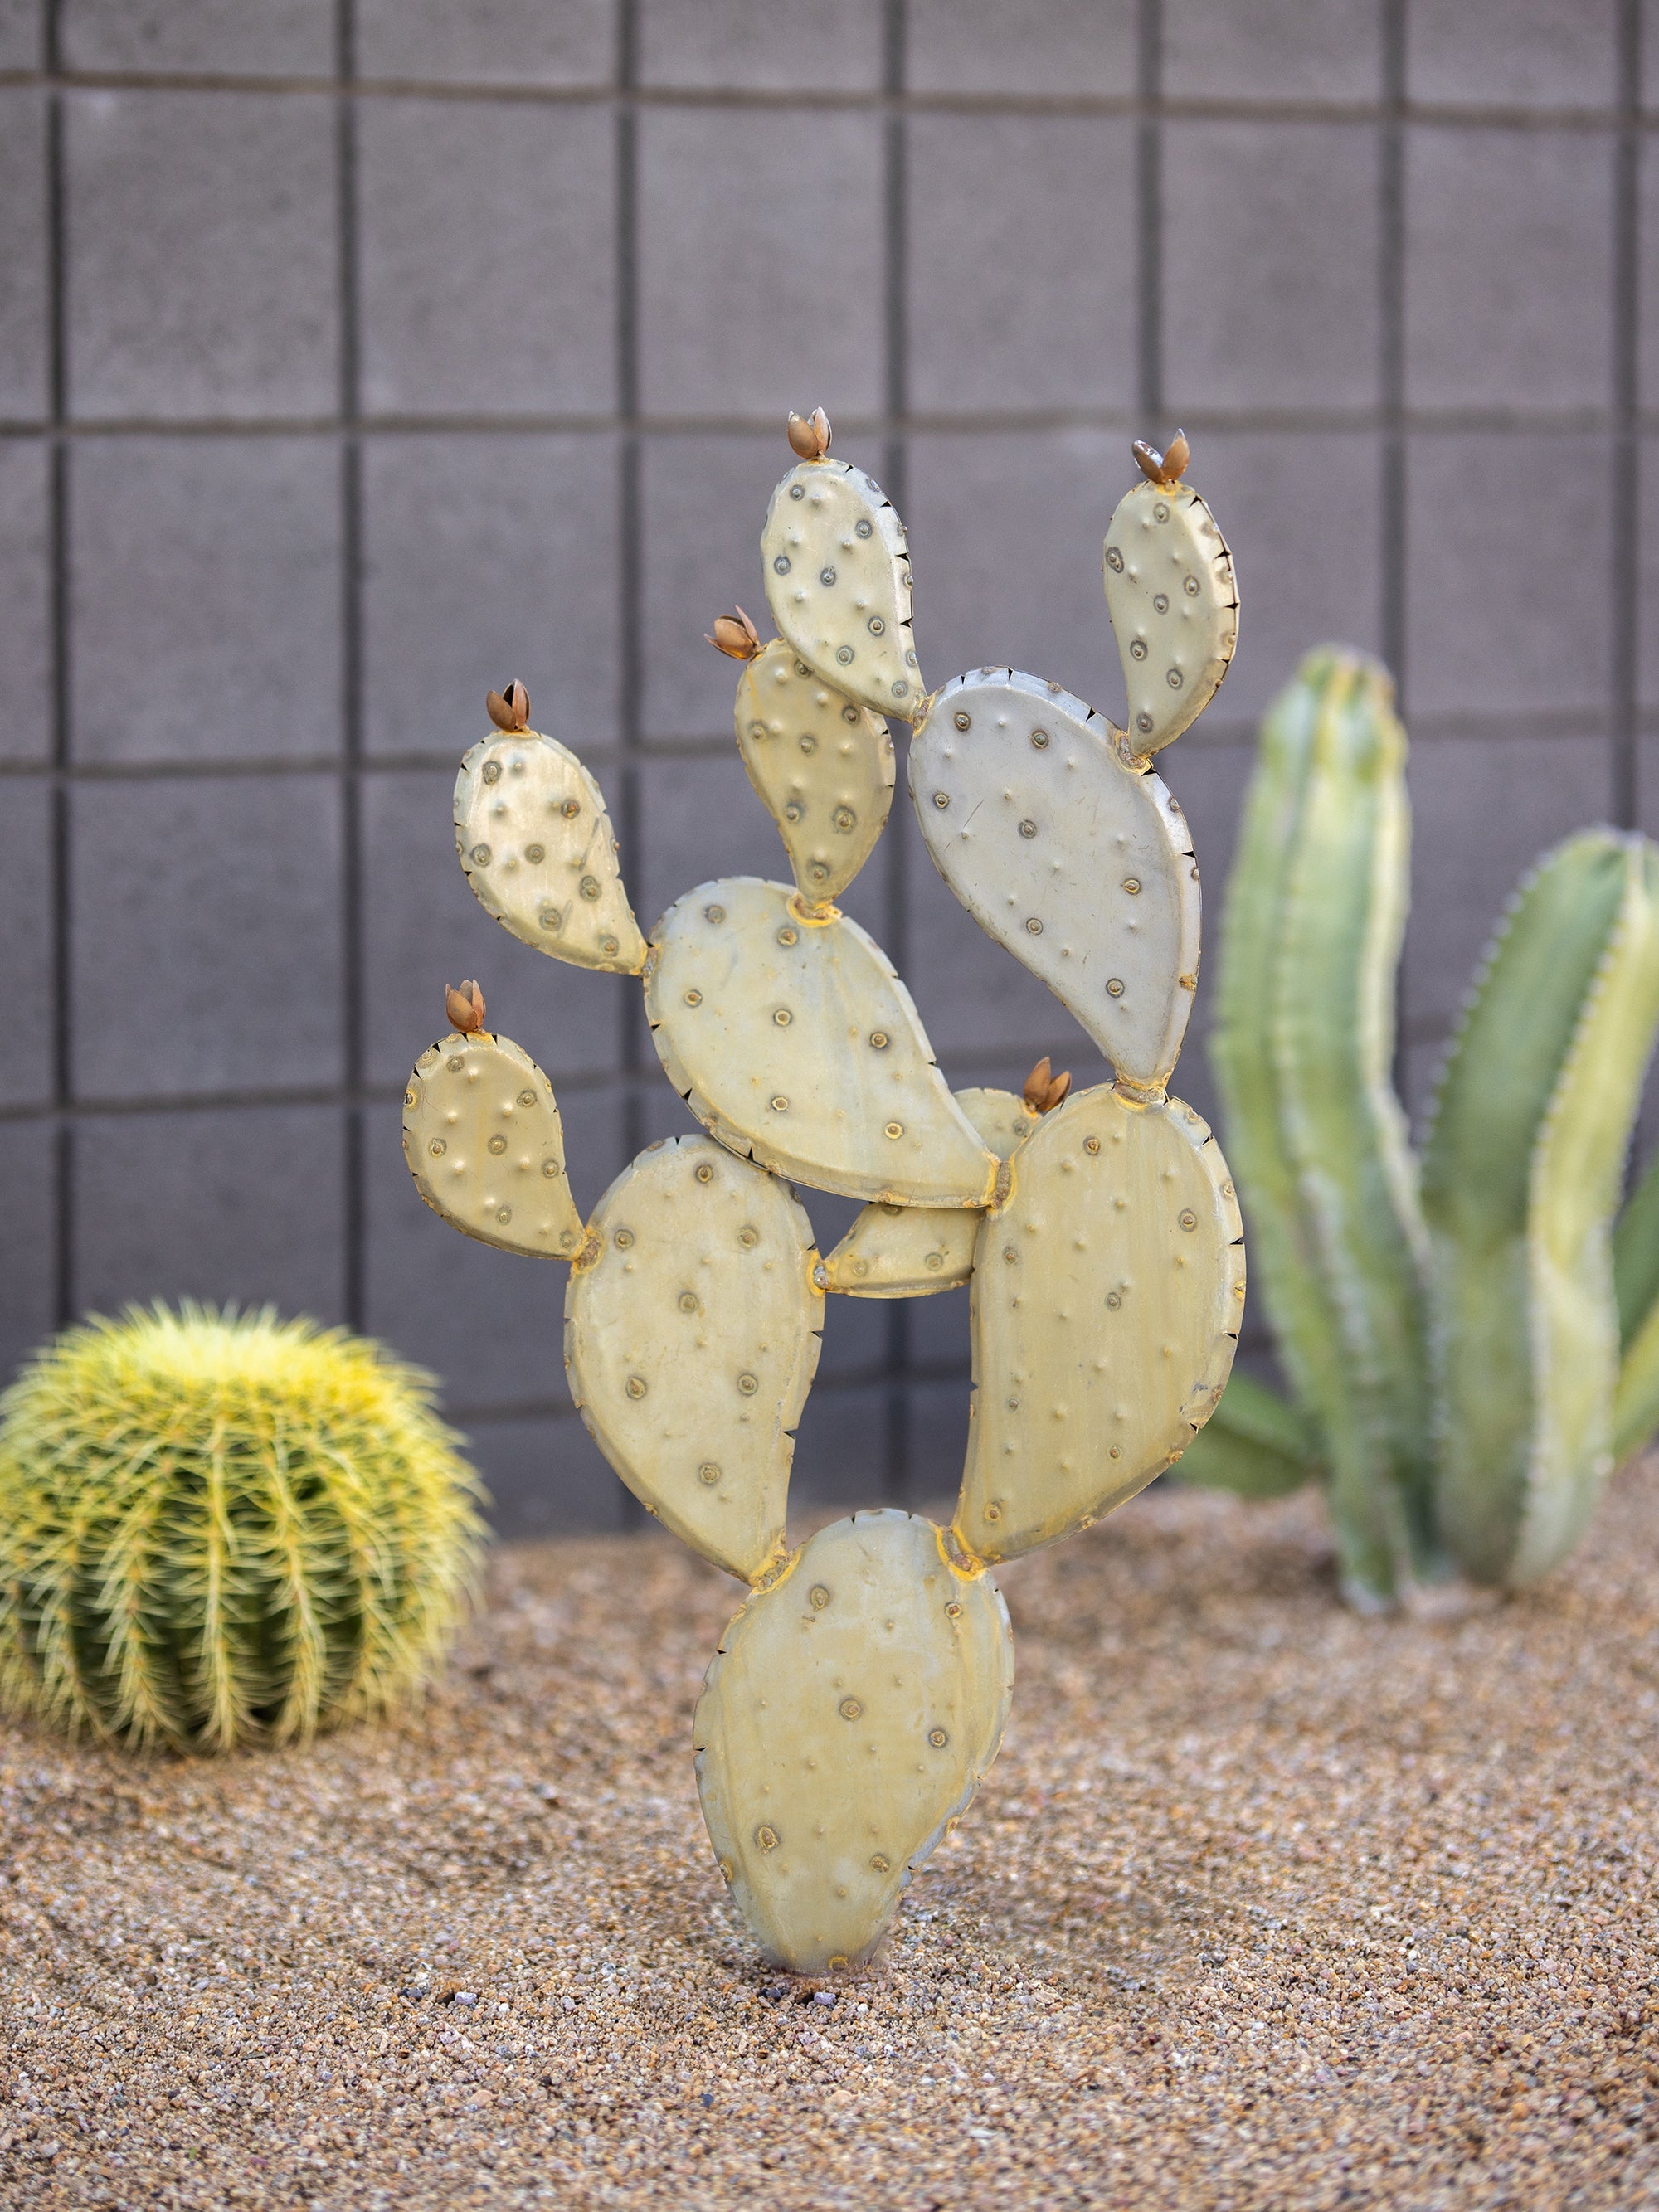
pixel 215 1528
pixel 1452 1356
pixel 859 1695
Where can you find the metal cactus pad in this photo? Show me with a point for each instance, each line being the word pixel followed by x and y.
pixel 860 1694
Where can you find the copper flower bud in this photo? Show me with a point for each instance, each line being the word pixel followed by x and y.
pixel 465 1007
pixel 810 436
pixel 736 634
pixel 509 710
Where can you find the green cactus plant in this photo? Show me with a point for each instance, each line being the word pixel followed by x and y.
pixel 217 1528
pixel 859 1695
pixel 1450 1331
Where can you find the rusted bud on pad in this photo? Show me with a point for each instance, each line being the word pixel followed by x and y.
pixel 810 435
pixel 509 710
pixel 735 635
pixel 1043 1090
pixel 1165 469
pixel 465 1007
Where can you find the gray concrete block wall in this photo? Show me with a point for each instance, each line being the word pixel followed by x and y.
pixel 358 354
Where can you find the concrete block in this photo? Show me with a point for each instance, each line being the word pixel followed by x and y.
pixel 422 928
pixel 27 873
pixel 244 1203
pixel 202 254
pixel 1647 291
pixel 1471 646
pixel 28 1284
pixel 204 599
pixel 1271 228
pixel 508 42
pixel 812 46
pixel 26 647
pixel 935 1441
pixel 545 1477
pixel 1022 261
pixel 199 38
pixel 22 41
pixel 1484 809
pixel 1252 49
pixel 1508 267
pixel 1006 533
pixel 205 935
pixel 1075 46
pixel 841 1454
pixel 1302 516
pixel 1647 539
pixel 23 279
pixel 738 207
pixel 703 500
pixel 488 558
pixel 488 259
pixel 1538 54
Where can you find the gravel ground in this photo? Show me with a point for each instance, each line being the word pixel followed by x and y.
pixel 1263 1905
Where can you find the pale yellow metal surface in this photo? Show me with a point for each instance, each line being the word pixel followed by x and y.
pixel 483 1142
pixel 822 764
pixel 792 1041
pixel 908 1251
pixel 1174 606
pixel 691 1332
pixel 838 583
pixel 1077 859
pixel 1108 1293
pixel 536 846
pixel 850 1715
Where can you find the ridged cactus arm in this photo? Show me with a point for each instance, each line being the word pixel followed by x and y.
pixel 1332 1021
pixel 1256 1443
pixel 1172 599
pixel 1636 1288
pixel 822 765
pixel 1520 1176
pixel 837 568
pixel 693 1322
pixel 1636 1254
pixel 483 1141
pixel 536 846
pixel 1073 858
pixel 787 1033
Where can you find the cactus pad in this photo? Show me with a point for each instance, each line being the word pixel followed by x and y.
pixel 1108 1293
pixel 908 1251
pixel 691 1332
pixel 838 583
pixel 1078 861
pixel 536 844
pixel 792 1041
pixel 822 767
pixel 1174 608
pixel 484 1144
pixel 848 1719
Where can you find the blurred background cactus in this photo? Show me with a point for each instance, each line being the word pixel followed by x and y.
pixel 1468 1348
pixel 217 1527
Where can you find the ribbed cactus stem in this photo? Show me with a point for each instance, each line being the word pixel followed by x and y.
pixel 1520 1176
pixel 1302 1045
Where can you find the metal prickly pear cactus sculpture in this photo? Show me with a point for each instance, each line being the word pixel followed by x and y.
pixel 859 1696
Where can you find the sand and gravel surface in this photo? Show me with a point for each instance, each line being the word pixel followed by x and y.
pixel 1263 1905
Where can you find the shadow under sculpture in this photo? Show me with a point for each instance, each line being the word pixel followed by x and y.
pixel 859 1693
